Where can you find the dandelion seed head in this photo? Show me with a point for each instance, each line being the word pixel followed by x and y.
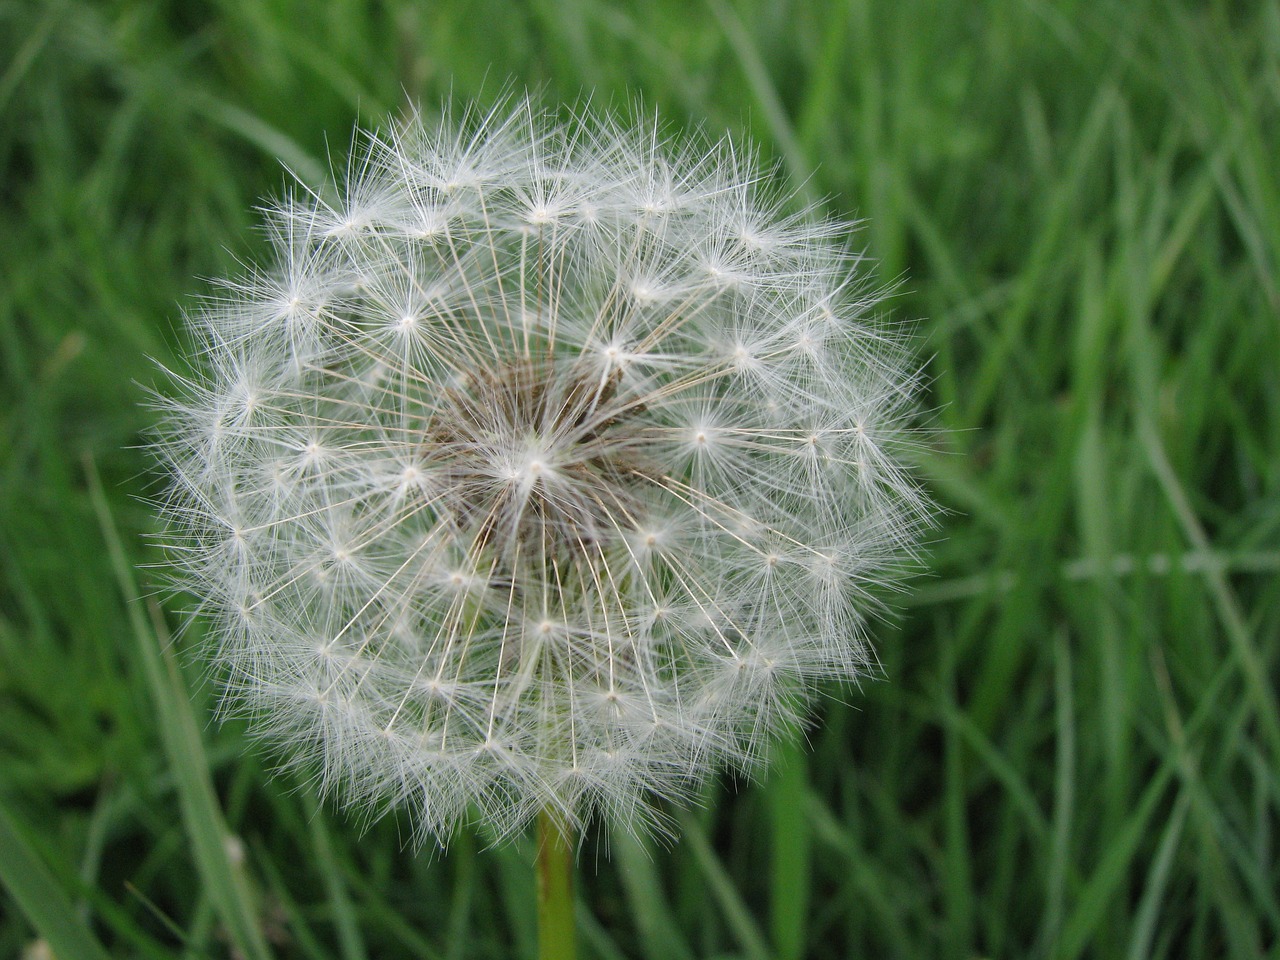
pixel 549 465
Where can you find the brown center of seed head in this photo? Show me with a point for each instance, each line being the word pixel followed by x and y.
pixel 538 457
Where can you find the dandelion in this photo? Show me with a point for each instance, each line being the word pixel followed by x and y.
pixel 546 470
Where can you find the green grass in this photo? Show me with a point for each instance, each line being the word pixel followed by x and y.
pixel 1075 748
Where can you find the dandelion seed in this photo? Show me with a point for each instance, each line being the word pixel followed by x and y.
pixel 546 469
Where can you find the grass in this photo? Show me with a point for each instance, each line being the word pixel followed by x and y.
pixel 1075 748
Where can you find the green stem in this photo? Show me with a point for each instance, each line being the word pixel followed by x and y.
pixel 555 889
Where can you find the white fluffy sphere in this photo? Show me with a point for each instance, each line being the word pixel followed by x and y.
pixel 548 466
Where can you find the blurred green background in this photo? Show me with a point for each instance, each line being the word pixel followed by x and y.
pixel 1074 750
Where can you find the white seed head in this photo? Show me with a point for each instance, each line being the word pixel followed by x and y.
pixel 549 465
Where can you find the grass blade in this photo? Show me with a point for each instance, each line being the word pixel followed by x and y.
pixel 217 852
pixel 721 886
pixel 646 902
pixel 40 897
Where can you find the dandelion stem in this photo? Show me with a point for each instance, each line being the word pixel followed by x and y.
pixel 555 889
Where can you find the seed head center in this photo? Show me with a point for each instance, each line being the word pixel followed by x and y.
pixel 537 455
